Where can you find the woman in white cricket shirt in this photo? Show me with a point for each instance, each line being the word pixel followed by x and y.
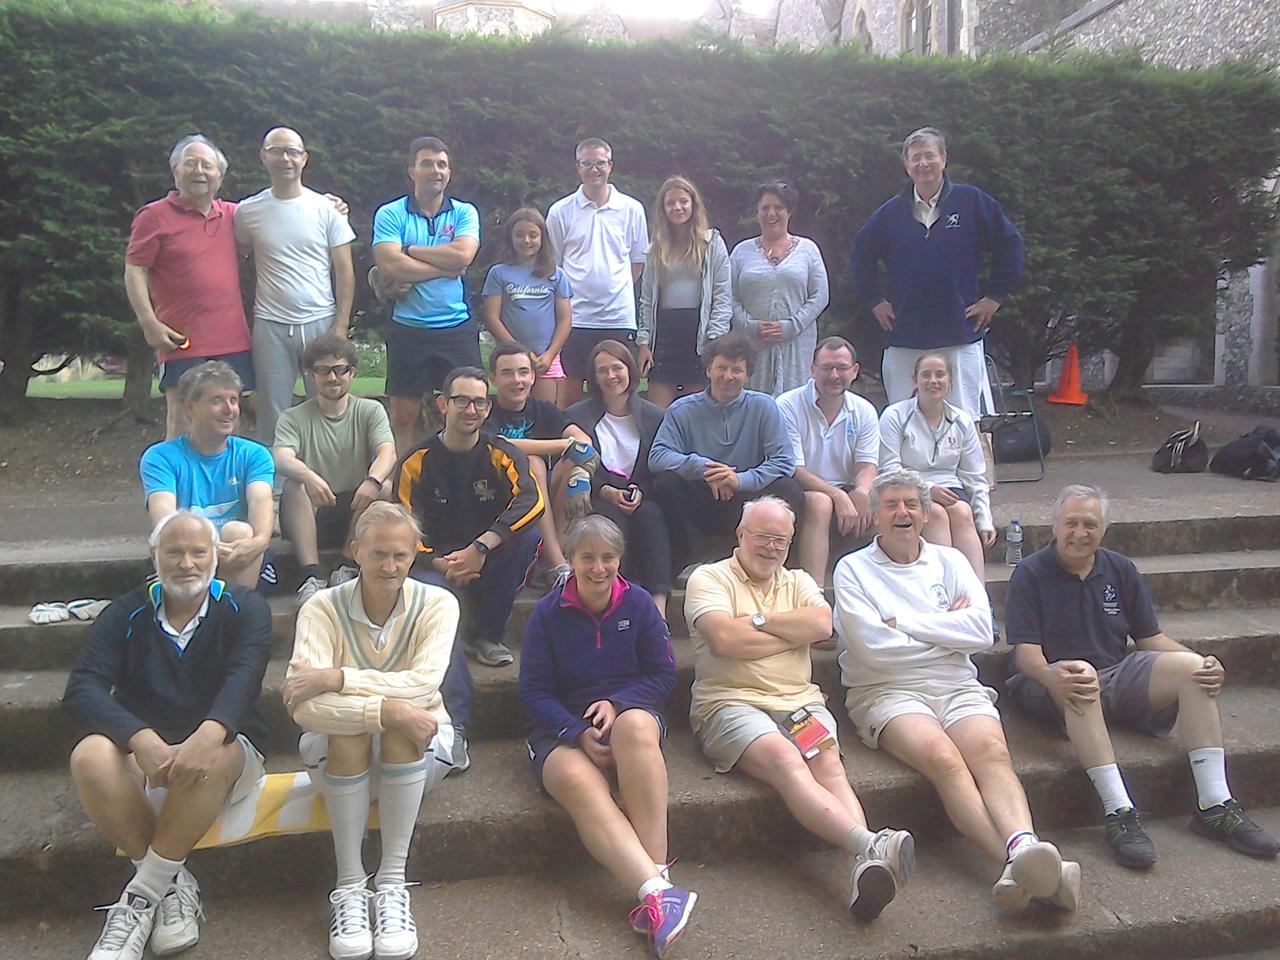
pixel 940 442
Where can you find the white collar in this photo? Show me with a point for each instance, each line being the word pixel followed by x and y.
pixel 585 201
pixel 882 558
pixel 930 203
pixel 355 607
pixel 162 617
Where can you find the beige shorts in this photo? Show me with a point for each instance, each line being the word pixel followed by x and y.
pixel 313 748
pixel 253 771
pixel 734 727
pixel 871 708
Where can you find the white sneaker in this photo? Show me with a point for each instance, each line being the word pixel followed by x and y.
pixel 897 849
pixel 128 927
pixel 395 935
pixel 177 924
pixel 343 574
pixel 1067 896
pixel 1035 871
pixel 349 935
pixel 310 587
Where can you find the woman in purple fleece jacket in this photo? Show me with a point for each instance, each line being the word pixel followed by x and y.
pixel 595 669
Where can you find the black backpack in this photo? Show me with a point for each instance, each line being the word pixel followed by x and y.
pixel 1251 457
pixel 1183 452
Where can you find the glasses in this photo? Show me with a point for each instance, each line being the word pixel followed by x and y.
pixel 594 164
pixel 293 153
pixel 768 540
pixel 337 369
pixel 480 404
pixel 835 368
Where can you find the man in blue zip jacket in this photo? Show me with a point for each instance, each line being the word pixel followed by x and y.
pixel 931 237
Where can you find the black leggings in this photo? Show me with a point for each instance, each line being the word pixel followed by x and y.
pixel 647 560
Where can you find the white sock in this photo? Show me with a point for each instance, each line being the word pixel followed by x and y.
pixel 655 885
pixel 347 799
pixel 856 840
pixel 1110 786
pixel 1209 767
pixel 399 799
pixel 153 876
pixel 664 870
pixel 1016 840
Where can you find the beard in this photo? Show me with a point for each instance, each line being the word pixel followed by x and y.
pixel 186 591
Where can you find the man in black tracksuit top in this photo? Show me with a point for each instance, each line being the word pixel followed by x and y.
pixel 478 506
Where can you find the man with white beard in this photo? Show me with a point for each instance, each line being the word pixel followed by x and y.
pixel 166 693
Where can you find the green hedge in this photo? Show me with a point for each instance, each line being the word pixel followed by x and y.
pixel 1133 185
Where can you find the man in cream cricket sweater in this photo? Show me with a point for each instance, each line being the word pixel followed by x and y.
pixel 364 682
pixel 909 613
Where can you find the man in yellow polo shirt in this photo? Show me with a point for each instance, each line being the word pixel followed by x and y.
pixel 756 708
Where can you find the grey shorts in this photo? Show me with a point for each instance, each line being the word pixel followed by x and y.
pixel 734 727
pixel 871 708
pixel 1123 688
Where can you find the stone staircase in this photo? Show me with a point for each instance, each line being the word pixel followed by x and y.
pixel 505 876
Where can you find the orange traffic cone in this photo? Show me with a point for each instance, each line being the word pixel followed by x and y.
pixel 1069 383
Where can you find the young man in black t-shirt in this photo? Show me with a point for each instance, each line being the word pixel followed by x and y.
pixel 554 446
pixel 1072 609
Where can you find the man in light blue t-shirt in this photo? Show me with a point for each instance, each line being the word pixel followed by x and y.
pixel 428 240
pixel 217 475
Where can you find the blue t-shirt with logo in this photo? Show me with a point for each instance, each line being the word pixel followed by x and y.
pixel 440 303
pixel 214 487
pixel 528 302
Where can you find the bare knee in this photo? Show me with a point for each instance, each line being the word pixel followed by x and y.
pixel 817 509
pixel 827 766
pixel 348 756
pixel 634 730
pixel 397 748
pixel 404 413
pixel 93 757
pixel 774 760
pixel 938 514
pixel 235 530
pixel 295 492
pixel 1182 665
pixel 989 753
pixel 942 764
pixel 959 514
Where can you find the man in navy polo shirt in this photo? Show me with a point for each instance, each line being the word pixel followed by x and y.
pixel 931 238
pixel 1071 610
pixel 428 240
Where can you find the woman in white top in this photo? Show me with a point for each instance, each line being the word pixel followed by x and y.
pixel 940 442
pixel 779 291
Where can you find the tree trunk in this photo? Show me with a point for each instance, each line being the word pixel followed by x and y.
pixel 1136 349
pixel 137 378
pixel 15 349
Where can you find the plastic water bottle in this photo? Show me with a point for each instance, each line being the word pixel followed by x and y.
pixel 1013 544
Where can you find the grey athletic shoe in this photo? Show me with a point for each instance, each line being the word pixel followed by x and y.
pixel 489 652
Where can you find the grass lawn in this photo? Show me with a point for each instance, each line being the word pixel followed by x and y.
pixel 114 389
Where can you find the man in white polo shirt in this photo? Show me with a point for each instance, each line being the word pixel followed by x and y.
pixel 836 438
pixel 599 236
pixel 306 282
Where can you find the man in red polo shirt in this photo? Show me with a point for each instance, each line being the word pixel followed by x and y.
pixel 182 274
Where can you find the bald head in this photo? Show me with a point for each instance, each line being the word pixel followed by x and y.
pixel 284 155
pixel 283 136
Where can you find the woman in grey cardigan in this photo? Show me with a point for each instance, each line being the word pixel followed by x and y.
pixel 685 300
pixel 622 426
pixel 779 291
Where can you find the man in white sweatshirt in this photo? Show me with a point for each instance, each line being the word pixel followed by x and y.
pixel 909 614
pixel 364 682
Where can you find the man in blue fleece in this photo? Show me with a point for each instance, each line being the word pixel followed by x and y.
pixel 931 238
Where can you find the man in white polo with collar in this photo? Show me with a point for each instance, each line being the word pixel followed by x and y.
pixel 836 438
pixel 599 236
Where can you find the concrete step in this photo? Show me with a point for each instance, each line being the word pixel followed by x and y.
pixel 66 570
pixel 494 821
pixel 39 735
pixel 1201 900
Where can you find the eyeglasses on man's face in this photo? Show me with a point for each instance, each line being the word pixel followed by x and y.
pixel 336 369
pixel 594 164
pixel 769 540
pixel 479 404
pixel 293 153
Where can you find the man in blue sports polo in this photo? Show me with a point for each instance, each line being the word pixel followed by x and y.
pixel 931 238
pixel 428 240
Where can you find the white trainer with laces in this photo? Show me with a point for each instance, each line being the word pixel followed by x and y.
pixel 395 935
pixel 177 924
pixel 343 574
pixel 1033 872
pixel 310 587
pixel 128 927
pixel 350 937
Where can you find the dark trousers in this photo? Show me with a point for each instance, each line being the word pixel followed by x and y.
pixel 702 527
pixel 647 560
pixel 486 604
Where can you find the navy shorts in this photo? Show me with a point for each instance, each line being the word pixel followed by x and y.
pixel 419 358
pixel 540 745
pixel 171 371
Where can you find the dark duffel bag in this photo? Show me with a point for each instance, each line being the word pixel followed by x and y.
pixel 1183 452
pixel 1015 442
pixel 1251 457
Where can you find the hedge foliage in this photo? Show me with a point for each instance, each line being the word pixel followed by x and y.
pixel 1133 185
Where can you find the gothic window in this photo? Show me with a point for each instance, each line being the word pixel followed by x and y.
pixel 862 32
pixel 917 26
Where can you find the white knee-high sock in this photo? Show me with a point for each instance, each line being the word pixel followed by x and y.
pixel 399 798
pixel 153 876
pixel 1209 767
pixel 347 799
pixel 1110 786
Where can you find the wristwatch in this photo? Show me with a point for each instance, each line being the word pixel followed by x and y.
pixel 758 620
pixel 481 547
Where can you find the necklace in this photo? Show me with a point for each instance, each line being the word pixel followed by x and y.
pixel 776 252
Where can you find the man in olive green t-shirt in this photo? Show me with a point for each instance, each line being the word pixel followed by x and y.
pixel 336 454
pixel 756 708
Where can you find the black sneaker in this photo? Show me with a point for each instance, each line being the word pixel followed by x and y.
pixel 1229 823
pixel 1129 842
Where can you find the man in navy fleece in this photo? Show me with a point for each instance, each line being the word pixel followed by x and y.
pixel 932 237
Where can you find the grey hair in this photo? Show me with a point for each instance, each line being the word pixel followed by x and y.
pixel 214 373
pixel 158 530
pixel 383 511
pixel 1084 492
pixel 175 155
pixel 900 478
pixel 593 143
pixel 921 135
pixel 592 527
pixel 751 506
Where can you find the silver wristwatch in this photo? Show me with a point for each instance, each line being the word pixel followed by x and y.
pixel 758 620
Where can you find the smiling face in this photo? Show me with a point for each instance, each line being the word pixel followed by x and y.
pixel 284 155
pixel 332 377
pixel 834 371
pixel 1078 530
pixel 466 406
pixel 728 378
pixel 595 566
pixel 430 174
pixel 513 378
pixel 185 558
pixel 764 539
pixel 925 163
pixel 526 240
pixel 900 515
pixel 197 175
pixel 932 379
pixel 772 215
pixel 216 412
pixel 594 167
pixel 677 204
pixel 384 554
pixel 611 376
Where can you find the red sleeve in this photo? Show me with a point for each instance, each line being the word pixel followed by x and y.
pixel 144 239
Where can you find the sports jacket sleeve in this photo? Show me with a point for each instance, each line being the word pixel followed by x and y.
pixel 87 699
pixel 669 446
pixel 537 688
pixel 246 663
pixel 408 483
pixel 870 248
pixel 657 664
pixel 1007 249
pixel 526 504
pixel 779 459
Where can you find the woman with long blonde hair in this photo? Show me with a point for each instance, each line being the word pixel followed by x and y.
pixel 685 295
